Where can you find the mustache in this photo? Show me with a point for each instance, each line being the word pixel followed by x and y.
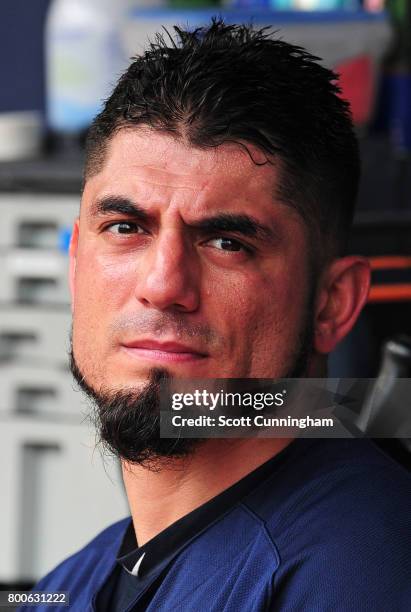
pixel 162 324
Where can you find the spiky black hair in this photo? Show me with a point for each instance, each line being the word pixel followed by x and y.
pixel 225 83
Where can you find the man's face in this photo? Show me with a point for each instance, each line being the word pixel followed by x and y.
pixel 183 260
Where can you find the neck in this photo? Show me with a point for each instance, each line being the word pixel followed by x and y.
pixel 159 498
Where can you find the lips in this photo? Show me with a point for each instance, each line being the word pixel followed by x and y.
pixel 162 351
pixel 167 347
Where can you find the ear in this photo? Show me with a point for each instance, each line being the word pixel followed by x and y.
pixel 73 259
pixel 342 294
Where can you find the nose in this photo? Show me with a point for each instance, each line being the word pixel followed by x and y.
pixel 170 275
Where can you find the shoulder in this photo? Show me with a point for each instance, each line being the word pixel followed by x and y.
pixel 341 523
pixel 344 476
pixel 95 558
pixel 340 486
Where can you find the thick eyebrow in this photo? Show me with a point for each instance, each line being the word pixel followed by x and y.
pixel 111 205
pixel 243 224
pixel 240 224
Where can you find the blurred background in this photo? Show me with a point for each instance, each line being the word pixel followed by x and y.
pixel 58 61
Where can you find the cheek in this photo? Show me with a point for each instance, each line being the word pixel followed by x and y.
pixel 256 300
pixel 274 312
pixel 278 297
pixel 102 286
pixel 102 282
pixel 251 310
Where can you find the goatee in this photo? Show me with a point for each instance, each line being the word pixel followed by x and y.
pixel 128 421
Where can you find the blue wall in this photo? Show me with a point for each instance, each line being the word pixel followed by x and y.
pixel 21 54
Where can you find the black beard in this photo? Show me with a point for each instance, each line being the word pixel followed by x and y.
pixel 128 421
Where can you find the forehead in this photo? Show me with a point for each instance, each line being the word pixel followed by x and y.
pixel 155 168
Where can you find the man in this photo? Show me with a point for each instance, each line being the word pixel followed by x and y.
pixel 220 182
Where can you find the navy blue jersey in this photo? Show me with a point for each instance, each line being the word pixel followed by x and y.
pixel 328 529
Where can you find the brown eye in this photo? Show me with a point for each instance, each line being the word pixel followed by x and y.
pixel 125 227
